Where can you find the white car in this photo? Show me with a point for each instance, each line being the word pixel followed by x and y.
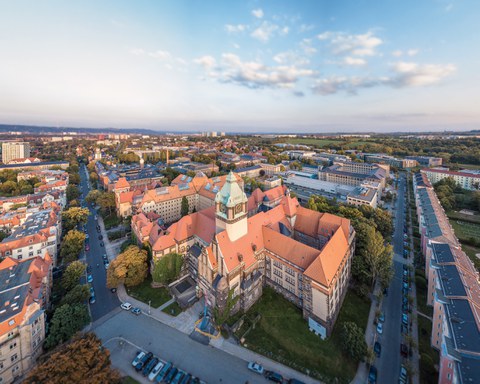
pixel 255 367
pixel 380 328
pixel 155 370
pixel 127 306
pixel 139 356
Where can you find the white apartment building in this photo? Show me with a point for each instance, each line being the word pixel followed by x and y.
pixel 12 150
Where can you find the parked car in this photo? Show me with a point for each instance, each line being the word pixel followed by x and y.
pixel 137 358
pixel 163 372
pixel 143 361
pixel 168 379
pixel 89 268
pixel 148 367
pixel 255 367
pixel 403 374
pixel 380 328
pixel 92 300
pixel 113 290
pixel 404 319
pixel 377 348
pixel 89 278
pixel 92 291
pixel 186 379
pixel 106 265
pixel 381 318
pixel 96 218
pixel 127 306
pixel 295 381
pixel 102 244
pixel 100 237
pixel 372 375
pixel 104 257
pixel 157 368
pixel 403 350
pixel 274 376
pixel 136 311
pixel 87 247
pixel 176 379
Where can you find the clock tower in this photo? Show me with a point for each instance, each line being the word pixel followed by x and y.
pixel 231 209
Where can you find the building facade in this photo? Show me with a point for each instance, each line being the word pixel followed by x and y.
pixel 467 180
pixel 12 150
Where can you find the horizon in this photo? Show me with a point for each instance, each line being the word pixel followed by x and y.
pixel 254 67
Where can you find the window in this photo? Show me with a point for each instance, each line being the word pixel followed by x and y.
pixel 13 345
pixel 14 357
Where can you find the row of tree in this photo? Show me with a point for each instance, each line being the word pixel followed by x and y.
pixel 9 186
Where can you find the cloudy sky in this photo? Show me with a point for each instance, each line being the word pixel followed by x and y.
pixel 302 66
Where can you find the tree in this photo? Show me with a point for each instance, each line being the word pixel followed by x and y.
pixel 130 268
pixel 84 360
pixel 92 196
pixel 93 177
pixel 74 216
pixel 377 257
pixel 72 245
pixel 167 268
pixel 106 201
pixel 77 295
pixel 72 274
pixel 184 207
pixel 72 192
pixel 66 321
pixel 8 187
pixel 222 315
pixel 353 340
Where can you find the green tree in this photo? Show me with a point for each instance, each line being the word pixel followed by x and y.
pixel 167 268
pixel 66 321
pixel 74 216
pixel 72 245
pixel 8 187
pixel 72 192
pixel 72 274
pixel 377 257
pixel 106 201
pixel 184 207
pixel 353 340
pixel 93 196
pixel 77 295
pixel 84 361
pixel 129 267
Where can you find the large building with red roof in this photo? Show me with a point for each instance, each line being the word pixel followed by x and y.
pixel 243 244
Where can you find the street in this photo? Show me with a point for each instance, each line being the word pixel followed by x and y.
pixel 388 364
pixel 105 300
pixel 123 332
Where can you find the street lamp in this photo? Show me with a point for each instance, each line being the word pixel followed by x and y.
pixel 149 301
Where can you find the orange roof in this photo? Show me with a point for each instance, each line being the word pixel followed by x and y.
pixel 122 183
pixel 290 205
pixel 324 267
pixel 275 193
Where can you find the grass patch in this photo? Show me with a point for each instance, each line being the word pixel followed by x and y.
pixel 314 141
pixel 110 221
pixel 282 334
pixel 465 231
pixel 422 291
pixel 454 215
pixel 428 356
pixel 129 380
pixel 173 309
pixel 144 292
pixel 115 235
pixel 471 252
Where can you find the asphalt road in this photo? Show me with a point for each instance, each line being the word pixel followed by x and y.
pixel 388 364
pixel 124 332
pixel 105 300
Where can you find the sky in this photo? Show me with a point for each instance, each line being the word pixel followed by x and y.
pixel 244 66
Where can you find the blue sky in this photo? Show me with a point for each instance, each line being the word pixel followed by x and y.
pixel 282 66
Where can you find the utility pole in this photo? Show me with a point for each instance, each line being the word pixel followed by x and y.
pixel 149 301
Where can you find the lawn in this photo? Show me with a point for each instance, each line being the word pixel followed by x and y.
pixel 173 309
pixel 464 230
pixel 460 216
pixel 144 292
pixel 282 334
pixel 428 356
pixel 422 291
pixel 111 221
pixel 129 380
pixel 471 252
pixel 315 142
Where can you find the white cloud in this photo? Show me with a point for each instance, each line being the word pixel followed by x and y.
pixel 206 61
pixel 137 51
pixel 397 53
pixel 284 31
pixel 354 61
pixel 258 13
pixel 236 28
pixel 413 74
pixel 305 28
pixel 265 31
pixel 255 74
pixel 412 52
pixel 306 45
pixel 342 43
pixel 290 57
pixel 160 55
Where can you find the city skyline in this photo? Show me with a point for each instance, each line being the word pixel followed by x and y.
pixel 254 66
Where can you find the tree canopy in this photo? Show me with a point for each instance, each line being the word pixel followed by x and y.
pixel 66 321
pixel 353 340
pixel 77 295
pixel 72 274
pixel 84 360
pixel 72 245
pixel 129 267
pixel 184 207
pixel 74 216
pixel 167 268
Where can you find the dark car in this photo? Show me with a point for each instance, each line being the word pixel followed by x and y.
pixel 186 379
pixel 273 376
pixel 145 359
pixel 295 381
pixel 89 268
pixel 168 379
pixel 164 372
pixel 149 366
pixel 101 244
pixel 377 348
pixel 372 375
pixel 100 237
pixel 113 290
pixel 403 350
pixel 178 377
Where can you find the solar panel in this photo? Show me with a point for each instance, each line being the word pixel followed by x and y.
pixel 189 180
pixel 183 187
pixel 183 177
pixel 207 187
pixel 215 190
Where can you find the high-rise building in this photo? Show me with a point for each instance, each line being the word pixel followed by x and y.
pixel 12 150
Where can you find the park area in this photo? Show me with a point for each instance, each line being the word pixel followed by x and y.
pixel 467 230
pixel 283 335
pixel 145 292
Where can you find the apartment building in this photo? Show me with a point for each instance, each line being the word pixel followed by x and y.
pixel 35 166
pixel 466 179
pixel 426 161
pixel 304 255
pixel 24 295
pixel 351 173
pixel 12 150
pixel 39 235
pixel 386 159
pixel 453 290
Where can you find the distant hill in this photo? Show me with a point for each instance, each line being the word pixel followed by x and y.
pixel 36 129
